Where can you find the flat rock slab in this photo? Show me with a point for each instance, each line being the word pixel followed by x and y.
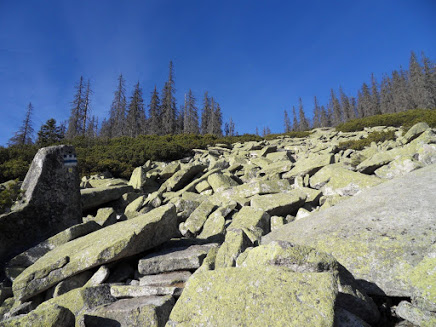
pixel 53 316
pixel 126 291
pixel 382 235
pixel 175 258
pixel 142 311
pixel 93 198
pixel 176 278
pixel 105 245
pixel 259 296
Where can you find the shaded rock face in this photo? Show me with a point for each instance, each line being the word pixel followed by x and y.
pixel 51 202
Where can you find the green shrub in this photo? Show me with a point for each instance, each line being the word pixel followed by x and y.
pixel 9 193
pixel 362 143
pixel 406 119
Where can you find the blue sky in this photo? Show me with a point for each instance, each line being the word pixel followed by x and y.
pixel 255 57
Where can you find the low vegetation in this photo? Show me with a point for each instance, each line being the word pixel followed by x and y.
pixel 406 119
pixel 363 143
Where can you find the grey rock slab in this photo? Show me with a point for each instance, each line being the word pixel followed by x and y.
pixel 176 278
pixel 51 202
pixel 93 198
pixel 174 258
pixel 196 220
pixel 260 296
pixel 105 245
pixel 30 256
pixel 280 204
pixel 148 311
pixel 54 316
pixel 381 235
pixel 415 315
pixel 126 291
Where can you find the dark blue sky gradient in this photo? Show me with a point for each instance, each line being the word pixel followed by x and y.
pixel 255 57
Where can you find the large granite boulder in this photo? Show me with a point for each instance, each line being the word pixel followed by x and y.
pixel 256 296
pixel 105 245
pixel 383 236
pixel 93 198
pixel 51 202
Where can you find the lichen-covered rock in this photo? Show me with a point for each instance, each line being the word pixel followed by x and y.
pixel 309 165
pixel 141 311
pixel 30 256
pixel 126 291
pixel 182 177
pixel 249 217
pixel 258 296
pixel 198 217
pixel 382 235
pixel 93 198
pixel 334 179
pixel 105 217
pixel 51 202
pixel 220 182
pixel 398 167
pixel 47 316
pixel 279 204
pixel 236 241
pixel 108 244
pixel 177 257
pixel 175 278
pixel 415 131
pixel 416 315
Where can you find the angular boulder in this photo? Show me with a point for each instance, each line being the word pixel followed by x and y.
pixel 93 198
pixel 108 244
pixel 381 235
pixel 256 297
pixel 51 202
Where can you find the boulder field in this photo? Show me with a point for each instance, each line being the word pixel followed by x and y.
pixel 281 232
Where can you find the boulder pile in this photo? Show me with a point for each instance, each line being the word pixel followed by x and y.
pixel 281 232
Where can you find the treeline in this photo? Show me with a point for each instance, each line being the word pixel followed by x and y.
pixel 402 90
pixel 130 116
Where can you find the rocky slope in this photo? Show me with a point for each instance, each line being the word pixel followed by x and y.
pixel 286 232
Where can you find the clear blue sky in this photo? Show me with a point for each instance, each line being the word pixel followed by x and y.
pixel 255 57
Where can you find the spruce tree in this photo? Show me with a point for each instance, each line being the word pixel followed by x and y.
pixel 231 124
pixel 75 122
pixel 316 114
pixel 295 125
pixel 336 107
pixel 324 118
pixel 304 124
pixel 136 114
pixel 154 114
pixel 345 105
pixel 375 96
pixel 24 135
pixel 49 133
pixel 417 88
pixel 205 114
pixel 168 108
pixel 217 121
pixel 190 114
pixel 386 99
pixel 287 122
pixel 86 112
pixel 117 117
pixel 429 82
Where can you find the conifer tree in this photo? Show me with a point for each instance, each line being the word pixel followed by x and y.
pixel 117 117
pixel 49 133
pixel 316 114
pixel 375 96
pixel 324 117
pixel 136 114
pixel 86 112
pixel 429 82
pixel 191 113
pixel 417 85
pixel 92 128
pixel 345 105
pixel 168 107
pixel 154 114
pixel 75 122
pixel 25 134
pixel 295 125
pixel 336 107
pixel 386 99
pixel 304 124
pixel 206 114
pixel 366 101
pixel 287 122
pixel 217 120
pixel 231 128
